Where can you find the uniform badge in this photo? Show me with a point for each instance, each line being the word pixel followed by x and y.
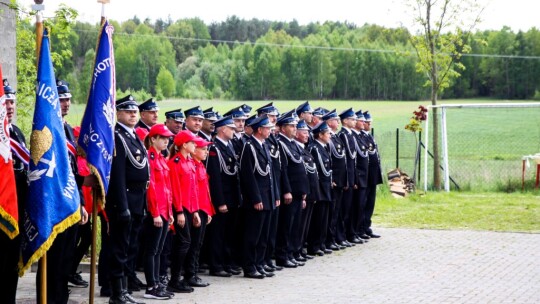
pixel 138 151
pixel 177 159
pixel 138 158
pixel 230 159
pixel 152 155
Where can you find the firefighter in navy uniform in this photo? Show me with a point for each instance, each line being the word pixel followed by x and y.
pixel 361 172
pixel 239 119
pixel 340 183
pixel 374 176
pixel 194 120
pixel 317 234
pixel 303 134
pixel 223 170
pixel 259 197
pixel 207 127
pixel 295 187
pixel 149 114
pixel 126 197
pixel 9 255
pixel 345 229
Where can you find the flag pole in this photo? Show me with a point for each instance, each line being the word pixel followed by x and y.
pixel 39 7
pixel 96 195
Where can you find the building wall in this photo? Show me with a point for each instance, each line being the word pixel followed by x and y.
pixel 8 43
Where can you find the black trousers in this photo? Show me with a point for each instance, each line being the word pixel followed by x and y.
pixel 104 256
pixel 119 236
pixel 344 219
pixel 358 207
pixel 197 237
pixel 83 243
pixel 155 238
pixel 333 213
pixel 59 255
pixel 164 259
pixel 9 258
pixel 289 214
pixel 221 240
pixel 318 228
pixel 180 247
pixel 303 230
pixel 371 193
pixel 272 235
pixel 134 241
pixel 256 231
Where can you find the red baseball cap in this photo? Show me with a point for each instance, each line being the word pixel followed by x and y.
pixel 183 137
pixel 160 129
pixel 201 142
pixel 141 132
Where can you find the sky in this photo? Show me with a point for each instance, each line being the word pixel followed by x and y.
pixel 517 14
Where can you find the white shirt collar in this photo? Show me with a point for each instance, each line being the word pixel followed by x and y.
pixel 130 130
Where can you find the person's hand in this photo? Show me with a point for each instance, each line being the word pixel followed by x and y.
pixel 287 198
pixel 333 184
pixel 158 222
pixel 181 220
pixel 171 220
pixel 84 216
pixel 258 206
pixel 278 202
pixel 209 220
pixel 304 204
pixel 223 208
pixel 355 187
pixel 124 216
pixel 196 220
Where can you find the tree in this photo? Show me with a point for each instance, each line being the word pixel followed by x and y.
pixel 165 82
pixel 439 46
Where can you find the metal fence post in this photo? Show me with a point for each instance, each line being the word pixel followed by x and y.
pixel 397 147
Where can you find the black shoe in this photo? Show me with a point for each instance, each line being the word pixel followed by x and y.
pixel 197 282
pixel 75 280
pixel 221 273
pixel 286 264
pixel 253 275
pixel 163 289
pixel 268 268
pixel 131 299
pixel 373 235
pixel 233 271
pixel 298 263
pixel 274 266
pixel 316 253
pixel 121 299
pixel 136 280
pixel 300 258
pixel 327 251
pixel 308 256
pixel 264 273
pixel 204 266
pixel 345 244
pixel 179 287
pixel 356 240
pixel 364 236
pixel 156 294
pixel 333 247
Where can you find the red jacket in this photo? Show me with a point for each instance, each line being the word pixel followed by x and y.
pixel 184 183
pixel 159 194
pixel 205 202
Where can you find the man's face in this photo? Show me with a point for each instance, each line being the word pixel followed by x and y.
pixel 65 103
pixel 11 107
pixel 359 125
pixel 226 133
pixel 264 132
pixel 348 122
pixel 325 137
pixel 149 118
pixel 240 124
pixel 288 130
pixel 367 126
pixel 307 116
pixel 248 130
pixel 127 117
pixel 272 118
pixel 315 120
pixel 333 123
pixel 207 126
pixel 173 125
pixel 194 124
pixel 302 136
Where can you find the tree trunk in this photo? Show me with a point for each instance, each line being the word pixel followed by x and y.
pixel 436 158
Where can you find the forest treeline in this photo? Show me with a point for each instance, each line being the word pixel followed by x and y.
pixel 259 59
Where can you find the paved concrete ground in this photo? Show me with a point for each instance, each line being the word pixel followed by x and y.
pixel 404 266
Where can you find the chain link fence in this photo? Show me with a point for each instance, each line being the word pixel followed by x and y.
pixel 485 149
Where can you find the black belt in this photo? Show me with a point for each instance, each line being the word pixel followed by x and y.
pixel 138 185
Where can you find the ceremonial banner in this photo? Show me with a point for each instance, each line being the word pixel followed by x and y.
pixel 97 129
pixel 53 200
pixel 9 214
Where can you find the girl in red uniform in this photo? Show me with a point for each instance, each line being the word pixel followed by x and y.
pixel 206 211
pixel 185 205
pixel 159 201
